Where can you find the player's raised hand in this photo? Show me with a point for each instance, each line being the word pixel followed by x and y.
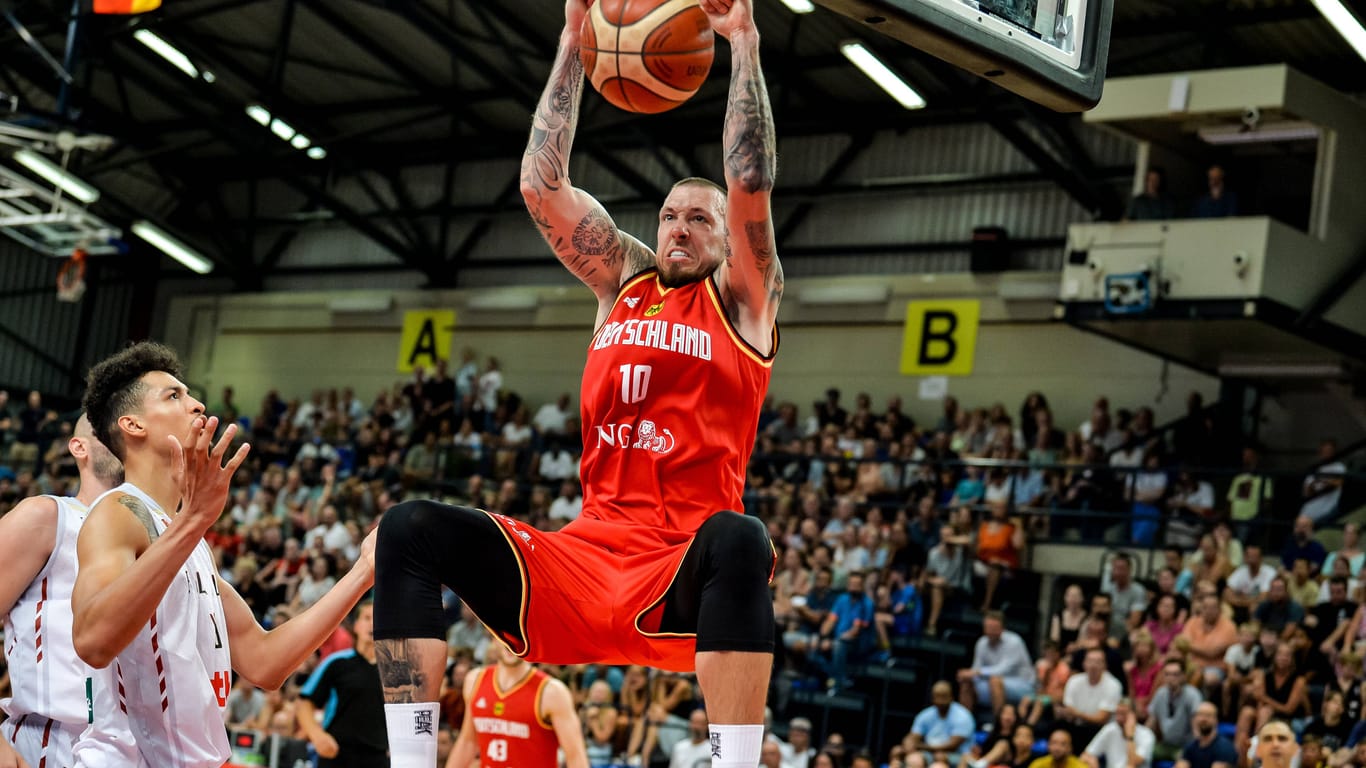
pixel 728 17
pixel 199 470
pixel 574 12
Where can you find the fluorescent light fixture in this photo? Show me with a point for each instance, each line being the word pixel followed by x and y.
pixel 57 175
pixel 1289 130
pixel 799 6
pixel 172 247
pixel 1345 22
pixel 258 113
pixel 285 132
pixel 170 53
pixel 820 295
pixel 282 129
pixel 879 73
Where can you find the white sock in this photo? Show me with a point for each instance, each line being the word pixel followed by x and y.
pixel 412 734
pixel 733 746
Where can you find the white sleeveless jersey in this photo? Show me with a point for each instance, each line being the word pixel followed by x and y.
pixel 48 681
pixel 167 690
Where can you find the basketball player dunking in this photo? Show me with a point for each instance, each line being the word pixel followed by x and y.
pixel 655 571
pixel 149 611
pixel 48 705
pixel 517 715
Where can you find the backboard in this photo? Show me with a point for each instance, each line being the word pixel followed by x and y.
pixel 1050 51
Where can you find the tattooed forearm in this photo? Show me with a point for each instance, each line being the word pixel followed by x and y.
pixel 774 283
pixel 400 675
pixel 751 155
pixel 144 515
pixel 760 236
pixel 546 163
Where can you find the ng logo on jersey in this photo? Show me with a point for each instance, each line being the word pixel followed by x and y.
pixel 647 436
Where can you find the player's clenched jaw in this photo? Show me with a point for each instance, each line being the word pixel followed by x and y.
pixel 692 234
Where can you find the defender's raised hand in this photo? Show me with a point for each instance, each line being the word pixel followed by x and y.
pixel 201 474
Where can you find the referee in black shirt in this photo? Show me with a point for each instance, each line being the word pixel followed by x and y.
pixel 346 688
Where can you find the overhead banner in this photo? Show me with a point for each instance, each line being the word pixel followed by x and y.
pixel 427 336
pixel 940 337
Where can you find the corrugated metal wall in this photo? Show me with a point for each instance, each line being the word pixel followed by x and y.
pixel 39 336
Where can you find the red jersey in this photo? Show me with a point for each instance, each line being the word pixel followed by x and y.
pixel 671 397
pixel 509 726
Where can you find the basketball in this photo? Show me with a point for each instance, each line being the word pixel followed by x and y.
pixel 646 55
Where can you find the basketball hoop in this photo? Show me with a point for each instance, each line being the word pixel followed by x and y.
pixel 71 277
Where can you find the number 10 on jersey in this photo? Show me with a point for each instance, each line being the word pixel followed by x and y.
pixel 635 381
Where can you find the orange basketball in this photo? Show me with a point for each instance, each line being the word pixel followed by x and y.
pixel 646 55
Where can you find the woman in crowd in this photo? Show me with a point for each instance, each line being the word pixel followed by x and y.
pixel 1165 625
pixel 1015 752
pixel 1142 670
pixel 1278 691
pixel 997 743
pixel 1065 627
pixel 1000 543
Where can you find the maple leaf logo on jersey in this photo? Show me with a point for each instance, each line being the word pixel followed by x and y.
pixel 632 301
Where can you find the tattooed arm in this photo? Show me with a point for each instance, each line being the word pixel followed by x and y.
pixel 123 574
pixel 573 222
pixel 752 278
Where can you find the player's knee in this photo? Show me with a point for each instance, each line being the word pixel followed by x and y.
pixel 731 539
pixel 403 524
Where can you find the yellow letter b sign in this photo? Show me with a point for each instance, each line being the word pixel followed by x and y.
pixel 940 338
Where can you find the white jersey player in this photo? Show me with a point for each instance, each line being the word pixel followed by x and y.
pixel 156 686
pixel 51 688
pixel 148 609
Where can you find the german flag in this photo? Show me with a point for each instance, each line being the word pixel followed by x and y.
pixel 126 6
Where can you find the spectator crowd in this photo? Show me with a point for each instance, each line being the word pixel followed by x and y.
pixel 887 532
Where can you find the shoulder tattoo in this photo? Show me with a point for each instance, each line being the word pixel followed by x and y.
pixel 142 513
